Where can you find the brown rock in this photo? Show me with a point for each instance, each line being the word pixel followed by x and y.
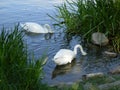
pixel 115 70
pixel 110 54
pixel 99 39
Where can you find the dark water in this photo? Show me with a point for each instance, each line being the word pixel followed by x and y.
pixel 14 11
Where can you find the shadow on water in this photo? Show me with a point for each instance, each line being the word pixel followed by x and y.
pixel 35 11
pixel 46 36
pixel 63 69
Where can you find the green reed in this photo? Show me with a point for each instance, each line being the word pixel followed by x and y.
pixel 87 16
pixel 84 17
pixel 17 71
pixel 116 43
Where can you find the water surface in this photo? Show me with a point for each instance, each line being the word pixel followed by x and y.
pixel 14 11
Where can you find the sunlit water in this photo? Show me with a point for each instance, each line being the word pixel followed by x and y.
pixel 14 11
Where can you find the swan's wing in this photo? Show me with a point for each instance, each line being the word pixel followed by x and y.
pixel 34 27
pixel 60 53
pixel 64 55
pixel 62 60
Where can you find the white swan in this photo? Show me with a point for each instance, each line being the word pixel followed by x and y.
pixel 36 28
pixel 64 56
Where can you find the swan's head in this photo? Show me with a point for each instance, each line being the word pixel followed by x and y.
pixel 47 26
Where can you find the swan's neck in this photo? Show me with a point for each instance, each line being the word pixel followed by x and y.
pixel 48 28
pixel 81 49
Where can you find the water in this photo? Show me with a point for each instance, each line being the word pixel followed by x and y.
pixel 14 11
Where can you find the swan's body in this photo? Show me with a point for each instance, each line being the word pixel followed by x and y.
pixel 64 56
pixel 36 28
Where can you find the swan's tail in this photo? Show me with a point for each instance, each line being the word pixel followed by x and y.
pixel 22 25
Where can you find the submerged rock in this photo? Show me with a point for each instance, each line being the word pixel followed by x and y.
pixel 99 39
pixel 110 54
pixel 115 70
pixel 98 74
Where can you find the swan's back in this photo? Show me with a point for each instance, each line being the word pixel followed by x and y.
pixel 64 56
pixel 63 53
pixel 33 27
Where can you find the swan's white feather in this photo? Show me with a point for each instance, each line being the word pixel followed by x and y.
pixel 35 28
pixel 62 61
pixel 64 53
pixel 64 56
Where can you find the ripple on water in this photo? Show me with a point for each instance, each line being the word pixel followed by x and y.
pixel 14 11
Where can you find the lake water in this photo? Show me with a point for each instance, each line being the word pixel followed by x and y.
pixel 14 11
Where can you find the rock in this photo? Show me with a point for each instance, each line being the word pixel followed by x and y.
pixel 115 70
pixel 99 74
pixel 99 39
pixel 110 54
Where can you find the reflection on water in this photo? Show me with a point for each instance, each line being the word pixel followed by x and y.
pixel 46 36
pixel 14 11
pixel 63 69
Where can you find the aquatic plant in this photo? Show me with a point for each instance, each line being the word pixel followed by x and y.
pixel 86 16
pixel 116 43
pixel 17 71
pixel 83 17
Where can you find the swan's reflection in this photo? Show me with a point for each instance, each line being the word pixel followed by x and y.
pixel 46 36
pixel 63 69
